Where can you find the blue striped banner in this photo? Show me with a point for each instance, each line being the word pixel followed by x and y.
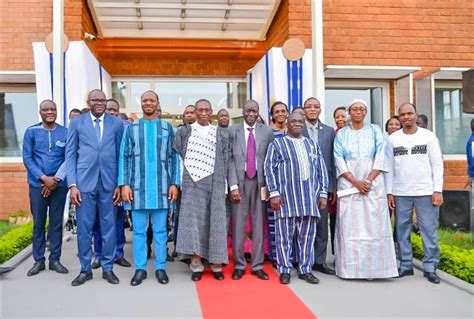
pixel 267 80
pixel 51 74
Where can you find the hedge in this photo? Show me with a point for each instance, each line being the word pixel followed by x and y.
pixel 455 261
pixel 15 241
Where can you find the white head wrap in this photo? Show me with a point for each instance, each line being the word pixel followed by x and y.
pixel 358 101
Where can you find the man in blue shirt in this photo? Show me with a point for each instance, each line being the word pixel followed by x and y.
pixel 470 162
pixel 470 155
pixel 44 147
pixel 148 176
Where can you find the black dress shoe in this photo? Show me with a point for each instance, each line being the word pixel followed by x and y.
pixel 37 267
pixel 162 277
pixel 4 270
pixel 122 262
pixel 96 264
pixel 406 272
pixel 169 258
pixel 309 278
pixel 196 276
pixel 110 277
pixel 238 274
pixel 81 278
pixel 138 277
pixel 432 277
pixel 285 279
pixel 58 267
pixel 218 275
pixel 260 274
pixel 324 269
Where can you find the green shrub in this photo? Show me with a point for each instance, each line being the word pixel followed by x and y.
pixel 5 227
pixel 15 240
pixel 455 261
pixel 456 238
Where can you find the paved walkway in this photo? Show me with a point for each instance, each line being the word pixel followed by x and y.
pixel 50 295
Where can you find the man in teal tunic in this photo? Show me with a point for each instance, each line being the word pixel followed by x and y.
pixel 149 177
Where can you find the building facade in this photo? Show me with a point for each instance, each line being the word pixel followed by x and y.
pixel 386 52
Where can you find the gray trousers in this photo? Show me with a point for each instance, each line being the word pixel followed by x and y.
pixel 427 216
pixel 250 203
pixel 321 242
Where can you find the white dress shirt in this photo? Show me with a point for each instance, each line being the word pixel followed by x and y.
pixel 246 138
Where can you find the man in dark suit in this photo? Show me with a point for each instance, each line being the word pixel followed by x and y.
pixel 250 142
pixel 323 135
pixel 92 151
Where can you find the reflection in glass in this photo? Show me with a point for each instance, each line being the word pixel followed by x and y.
pixel 18 111
pixel 119 92
pixel 453 127
pixel 241 94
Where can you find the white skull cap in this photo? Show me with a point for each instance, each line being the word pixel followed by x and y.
pixel 358 101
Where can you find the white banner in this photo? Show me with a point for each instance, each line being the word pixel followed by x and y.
pixel 82 73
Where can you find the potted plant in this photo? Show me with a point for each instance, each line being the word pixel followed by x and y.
pixel 12 217
pixel 21 218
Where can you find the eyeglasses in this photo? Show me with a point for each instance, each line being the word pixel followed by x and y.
pixel 97 101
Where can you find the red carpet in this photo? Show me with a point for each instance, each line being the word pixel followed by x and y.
pixel 249 297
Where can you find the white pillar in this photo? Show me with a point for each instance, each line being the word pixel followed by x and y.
pixel 58 65
pixel 318 52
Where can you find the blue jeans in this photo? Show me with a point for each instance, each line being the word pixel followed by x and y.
pixel 427 216
pixel 160 236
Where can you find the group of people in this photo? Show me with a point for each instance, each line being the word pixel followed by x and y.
pixel 290 177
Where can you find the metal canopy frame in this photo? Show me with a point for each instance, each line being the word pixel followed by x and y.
pixel 183 19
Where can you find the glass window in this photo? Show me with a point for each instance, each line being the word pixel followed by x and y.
pixel 119 93
pixel 175 96
pixel 336 97
pixel 18 111
pixel 241 94
pixel 137 89
pixel 453 127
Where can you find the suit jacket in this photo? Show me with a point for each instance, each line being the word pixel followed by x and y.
pixel 86 158
pixel 326 138
pixel 263 138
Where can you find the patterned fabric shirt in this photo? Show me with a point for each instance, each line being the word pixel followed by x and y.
pixel 148 164
pixel 285 172
pixel 201 151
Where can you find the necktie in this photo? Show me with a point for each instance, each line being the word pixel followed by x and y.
pixel 251 160
pixel 97 129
